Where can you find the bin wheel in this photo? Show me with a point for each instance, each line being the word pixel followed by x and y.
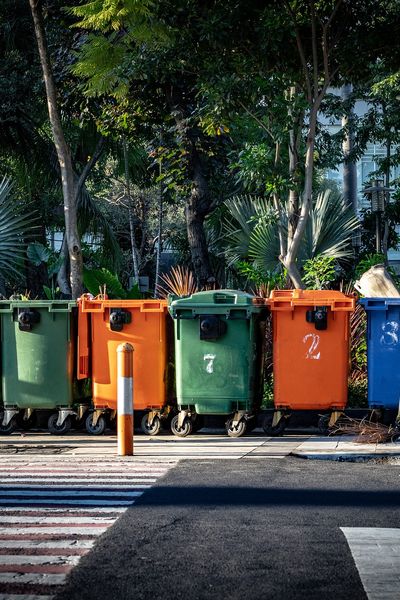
pixel 152 429
pixel 323 424
pixel 183 431
pixel 10 428
pixel 237 430
pixel 97 429
pixel 55 429
pixel 277 429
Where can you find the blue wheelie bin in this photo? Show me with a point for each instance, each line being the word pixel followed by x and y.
pixel 383 355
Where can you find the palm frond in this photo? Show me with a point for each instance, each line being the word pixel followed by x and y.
pixel 15 224
pixel 180 281
pixel 243 214
pixel 331 225
pixel 264 247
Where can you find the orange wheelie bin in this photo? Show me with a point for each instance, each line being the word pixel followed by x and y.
pixel 311 335
pixel 103 325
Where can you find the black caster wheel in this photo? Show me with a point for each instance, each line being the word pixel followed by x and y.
pixel 236 430
pixel 323 424
pixel 183 431
pixel 97 429
pixel 55 429
pixel 152 429
pixel 10 428
pixel 276 430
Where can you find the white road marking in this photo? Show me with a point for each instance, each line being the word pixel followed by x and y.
pixel 24 597
pixel 37 559
pixel 62 502
pixel 35 578
pixel 55 520
pixel 70 501
pixel 67 510
pixel 21 492
pixel 37 544
pixel 376 553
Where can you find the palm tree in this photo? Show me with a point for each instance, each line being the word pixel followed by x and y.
pixel 15 224
pixel 250 231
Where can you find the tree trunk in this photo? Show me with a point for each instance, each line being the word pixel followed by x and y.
pixel 197 207
pixel 136 272
pixel 294 143
pixel 63 154
pixel 289 260
pixel 159 236
pixel 62 275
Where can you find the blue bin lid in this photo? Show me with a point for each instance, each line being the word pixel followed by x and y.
pixel 379 303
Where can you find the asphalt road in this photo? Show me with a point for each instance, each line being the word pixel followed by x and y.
pixel 254 529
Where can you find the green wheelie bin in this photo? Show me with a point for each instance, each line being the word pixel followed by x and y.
pixel 218 358
pixel 38 340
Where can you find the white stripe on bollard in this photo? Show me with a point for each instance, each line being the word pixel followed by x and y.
pixel 125 399
pixel 125 395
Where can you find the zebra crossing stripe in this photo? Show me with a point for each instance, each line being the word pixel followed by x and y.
pixel 23 597
pixel 55 519
pixel 52 513
pixel 9 480
pixel 69 511
pixel 19 492
pixel 40 545
pixel 22 559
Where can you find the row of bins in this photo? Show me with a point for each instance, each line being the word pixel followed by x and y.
pixel 60 356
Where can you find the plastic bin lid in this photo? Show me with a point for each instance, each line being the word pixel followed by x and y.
pixel 98 305
pixel 8 306
pixel 289 299
pixel 379 303
pixel 232 298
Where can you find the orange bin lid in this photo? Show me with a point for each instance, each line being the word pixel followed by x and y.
pixel 290 299
pixel 93 305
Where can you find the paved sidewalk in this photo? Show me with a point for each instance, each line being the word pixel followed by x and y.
pixel 204 445
pixel 345 448
pixel 207 445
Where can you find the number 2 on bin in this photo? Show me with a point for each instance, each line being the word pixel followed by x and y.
pixel 313 343
pixel 390 336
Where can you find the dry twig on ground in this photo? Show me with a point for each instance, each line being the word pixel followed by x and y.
pixel 367 431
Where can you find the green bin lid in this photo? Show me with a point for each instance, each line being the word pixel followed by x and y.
pixel 8 306
pixel 217 300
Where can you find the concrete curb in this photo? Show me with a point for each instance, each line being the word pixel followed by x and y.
pixel 351 457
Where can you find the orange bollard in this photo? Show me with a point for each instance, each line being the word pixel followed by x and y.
pixel 125 399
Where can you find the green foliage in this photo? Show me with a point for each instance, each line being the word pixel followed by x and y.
pixel 261 279
pixel 37 253
pixel 268 395
pixel 250 231
pixel 359 355
pixel 15 225
pixel 253 165
pixel 96 279
pixel 51 293
pixel 134 293
pixel 112 15
pixel 243 214
pixel 370 260
pixel 319 272
pixel 358 392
